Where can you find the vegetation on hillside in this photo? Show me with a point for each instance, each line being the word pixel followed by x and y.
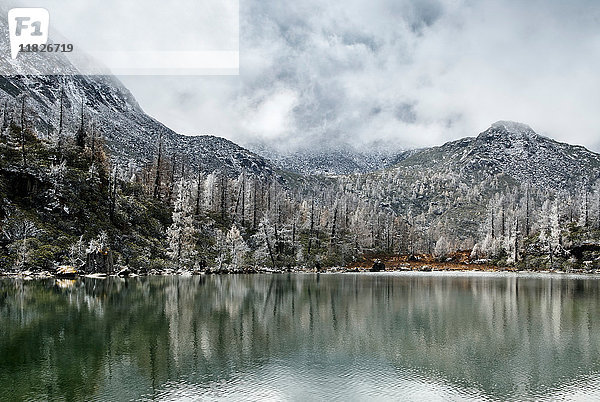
pixel 62 199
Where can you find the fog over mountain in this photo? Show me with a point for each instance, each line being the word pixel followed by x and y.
pixel 413 73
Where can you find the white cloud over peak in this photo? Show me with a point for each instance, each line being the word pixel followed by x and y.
pixel 413 73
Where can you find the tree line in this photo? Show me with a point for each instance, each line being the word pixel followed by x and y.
pixel 169 213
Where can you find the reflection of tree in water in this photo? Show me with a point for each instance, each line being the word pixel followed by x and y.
pixel 503 335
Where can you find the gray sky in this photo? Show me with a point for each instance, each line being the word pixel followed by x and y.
pixel 415 73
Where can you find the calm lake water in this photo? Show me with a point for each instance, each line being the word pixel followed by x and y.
pixel 301 337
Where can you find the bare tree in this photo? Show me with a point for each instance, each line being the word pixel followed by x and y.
pixel 157 178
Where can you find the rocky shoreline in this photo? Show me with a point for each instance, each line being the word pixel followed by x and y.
pixel 125 272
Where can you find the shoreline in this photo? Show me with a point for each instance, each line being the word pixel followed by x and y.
pixel 416 269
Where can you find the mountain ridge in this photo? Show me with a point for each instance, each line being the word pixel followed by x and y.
pixel 132 136
pixel 514 149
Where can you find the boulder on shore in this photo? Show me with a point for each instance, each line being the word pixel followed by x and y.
pixel 378 266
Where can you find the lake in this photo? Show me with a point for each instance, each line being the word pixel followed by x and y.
pixel 433 336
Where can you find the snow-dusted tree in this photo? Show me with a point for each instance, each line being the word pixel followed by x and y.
pixel 240 202
pixel 181 233
pixel 476 253
pixel 512 239
pixel 584 207
pixel 550 234
pixel 77 252
pixel 492 243
pixel 19 230
pixel 99 243
pixel 490 246
pixel 56 176
pixel 210 186
pixel 159 167
pixel 597 199
pixel 220 248
pixel 236 248
pixel 264 239
pixel 442 247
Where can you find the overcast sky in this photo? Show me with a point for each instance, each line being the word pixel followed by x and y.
pixel 414 73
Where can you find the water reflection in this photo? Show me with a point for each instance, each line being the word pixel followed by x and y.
pixel 300 336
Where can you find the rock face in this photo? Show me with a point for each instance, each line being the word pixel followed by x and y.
pixel 131 135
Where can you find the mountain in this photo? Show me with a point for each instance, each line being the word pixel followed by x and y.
pixel 515 150
pixel 507 147
pixel 131 135
pixel 456 188
pixel 507 189
pixel 336 159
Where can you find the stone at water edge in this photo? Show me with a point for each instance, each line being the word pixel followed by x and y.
pixel 378 266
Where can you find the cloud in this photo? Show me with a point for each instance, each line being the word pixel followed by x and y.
pixel 411 73
pixel 272 117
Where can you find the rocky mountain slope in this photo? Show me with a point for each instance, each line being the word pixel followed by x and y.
pixel 338 159
pixel 455 188
pixel 516 151
pixel 510 148
pixel 131 134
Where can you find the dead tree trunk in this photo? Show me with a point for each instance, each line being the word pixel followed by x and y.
pixel 22 132
pixel 156 192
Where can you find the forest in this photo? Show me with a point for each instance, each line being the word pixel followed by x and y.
pixel 65 201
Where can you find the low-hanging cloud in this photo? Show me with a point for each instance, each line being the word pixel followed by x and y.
pixel 409 73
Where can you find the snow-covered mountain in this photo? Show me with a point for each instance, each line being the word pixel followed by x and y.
pixel 338 159
pixel 515 150
pixel 131 135
pixel 455 186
